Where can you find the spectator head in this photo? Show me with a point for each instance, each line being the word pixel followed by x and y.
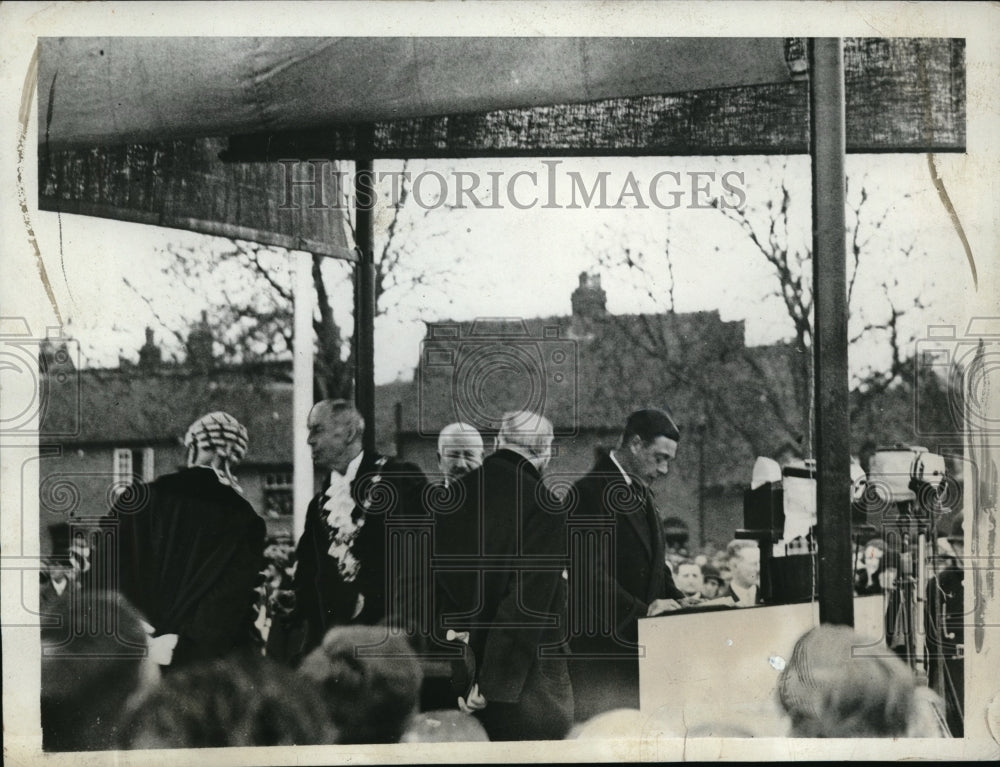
pixel 648 444
pixel 744 562
pixel 94 667
pixel 446 726
pixel 839 685
pixel 712 582
pixel 238 701
pixel 335 432
pixel 527 434
pixel 726 574
pixel 370 682
pixel 874 554
pixel 880 559
pixel 460 450
pixel 66 565
pixel 689 578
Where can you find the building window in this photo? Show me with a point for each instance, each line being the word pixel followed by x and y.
pixel 122 467
pixel 278 494
pixel 148 473
pixel 129 465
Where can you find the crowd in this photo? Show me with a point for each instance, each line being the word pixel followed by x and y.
pixel 472 605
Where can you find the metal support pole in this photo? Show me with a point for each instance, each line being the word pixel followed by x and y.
pixel 833 462
pixel 701 482
pixel 364 299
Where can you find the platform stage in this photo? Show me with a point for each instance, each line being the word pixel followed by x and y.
pixel 719 668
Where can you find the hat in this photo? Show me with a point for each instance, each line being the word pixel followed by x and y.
pixel 876 543
pixel 840 684
pixel 708 572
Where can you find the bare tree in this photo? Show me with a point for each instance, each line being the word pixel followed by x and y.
pixel 251 301
pixel 768 229
pixel 744 386
pixel 700 359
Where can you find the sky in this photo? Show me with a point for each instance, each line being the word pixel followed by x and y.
pixel 505 261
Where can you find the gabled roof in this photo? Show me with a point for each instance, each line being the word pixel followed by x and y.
pixel 119 408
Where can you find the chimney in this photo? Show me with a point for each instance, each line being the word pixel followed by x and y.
pixel 199 345
pixel 150 356
pixel 589 298
pixel 54 357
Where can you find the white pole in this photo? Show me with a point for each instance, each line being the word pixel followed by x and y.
pixel 302 398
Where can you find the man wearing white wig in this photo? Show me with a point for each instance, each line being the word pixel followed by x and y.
pixel 190 548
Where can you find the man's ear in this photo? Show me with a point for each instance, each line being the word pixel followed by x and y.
pixel 634 443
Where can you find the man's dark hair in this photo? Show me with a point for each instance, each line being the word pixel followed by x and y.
pixel 92 651
pixel 710 572
pixel 239 701
pixel 649 424
pixel 370 682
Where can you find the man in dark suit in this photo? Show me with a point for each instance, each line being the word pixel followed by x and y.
pixel 499 584
pixel 460 451
pixel 618 573
pixel 342 574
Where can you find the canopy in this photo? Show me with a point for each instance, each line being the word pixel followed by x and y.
pixel 185 132
pixel 96 91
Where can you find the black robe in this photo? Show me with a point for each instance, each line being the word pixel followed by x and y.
pixel 190 551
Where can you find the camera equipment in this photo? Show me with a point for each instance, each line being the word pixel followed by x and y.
pixel 784 510
pixel 912 490
pixel 779 512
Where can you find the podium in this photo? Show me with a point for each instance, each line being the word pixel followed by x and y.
pixel 723 665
